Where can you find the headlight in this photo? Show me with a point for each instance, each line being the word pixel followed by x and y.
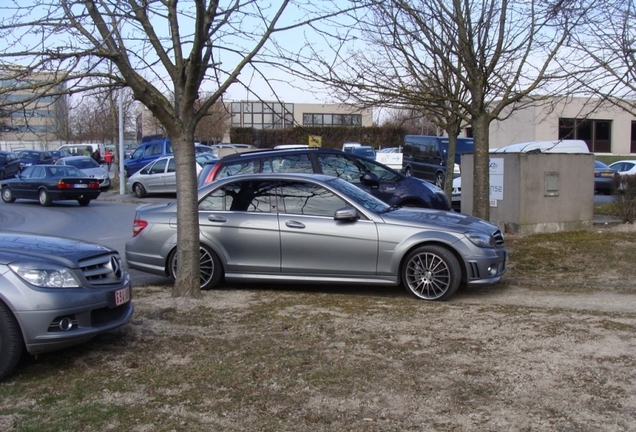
pixel 44 277
pixel 481 240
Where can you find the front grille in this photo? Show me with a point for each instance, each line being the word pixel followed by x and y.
pixel 103 269
pixel 499 239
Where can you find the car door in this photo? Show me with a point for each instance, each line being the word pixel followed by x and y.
pixel 237 218
pixel 155 181
pixel 170 177
pixel 313 243
pixel 31 182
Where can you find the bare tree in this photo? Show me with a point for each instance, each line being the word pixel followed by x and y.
pixel 472 61
pixel 158 48
pixel 213 125
pixel 609 45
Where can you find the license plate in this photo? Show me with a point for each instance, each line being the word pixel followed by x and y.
pixel 122 296
pixel 80 185
pixel 606 174
pixel 456 198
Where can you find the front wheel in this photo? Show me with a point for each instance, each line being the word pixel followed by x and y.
pixel 210 267
pixel 7 195
pixel 11 344
pixel 139 190
pixel 431 273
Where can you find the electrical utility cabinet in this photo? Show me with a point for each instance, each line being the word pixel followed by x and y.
pixel 535 192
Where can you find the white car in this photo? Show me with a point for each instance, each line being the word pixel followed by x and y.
pixel 159 176
pixel 88 166
pixel 624 167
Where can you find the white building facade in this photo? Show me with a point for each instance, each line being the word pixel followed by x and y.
pixel 605 128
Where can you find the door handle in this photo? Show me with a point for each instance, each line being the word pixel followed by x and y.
pixel 213 218
pixel 294 224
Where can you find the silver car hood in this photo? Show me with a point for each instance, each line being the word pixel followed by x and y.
pixel 94 172
pixel 458 222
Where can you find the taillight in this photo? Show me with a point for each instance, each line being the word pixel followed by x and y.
pixel 138 226
pixel 63 185
pixel 212 174
pixel 93 185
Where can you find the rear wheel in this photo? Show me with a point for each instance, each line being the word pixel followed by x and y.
pixel 211 270
pixel 44 197
pixel 7 195
pixel 431 273
pixel 139 190
pixel 11 344
pixel 408 172
pixel 84 202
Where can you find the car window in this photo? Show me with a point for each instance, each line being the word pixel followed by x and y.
pixel 309 199
pixel 340 166
pixel 247 196
pixel 159 167
pixel 2 158
pixel 239 167
pixel 296 163
pixel 171 166
pixel 384 174
pixel 37 172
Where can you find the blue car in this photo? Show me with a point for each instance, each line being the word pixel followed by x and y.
pixel 35 157
pixel 145 153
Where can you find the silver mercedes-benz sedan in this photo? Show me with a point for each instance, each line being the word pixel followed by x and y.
pixel 307 228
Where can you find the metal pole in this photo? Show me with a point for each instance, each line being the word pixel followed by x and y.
pixel 122 155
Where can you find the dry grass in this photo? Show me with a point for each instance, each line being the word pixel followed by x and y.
pixel 527 354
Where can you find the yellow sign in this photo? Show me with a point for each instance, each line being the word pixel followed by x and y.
pixel 315 141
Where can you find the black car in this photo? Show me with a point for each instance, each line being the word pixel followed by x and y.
pixel 9 164
pixel 47 183
pixel 35 157
pixel 390 186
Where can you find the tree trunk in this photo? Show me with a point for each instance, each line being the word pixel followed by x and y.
pixel 187 281
pixel 481 158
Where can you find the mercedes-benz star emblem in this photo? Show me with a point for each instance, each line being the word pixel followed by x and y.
pixel 115 264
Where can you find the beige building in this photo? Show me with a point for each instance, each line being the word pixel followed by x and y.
pixel 605 128
pixel 273 115
pixel 31 117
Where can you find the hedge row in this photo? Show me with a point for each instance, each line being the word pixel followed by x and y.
pixel 331 137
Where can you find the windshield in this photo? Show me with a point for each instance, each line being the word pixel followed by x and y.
pixel 359 196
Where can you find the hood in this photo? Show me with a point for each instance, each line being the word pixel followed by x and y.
pixel 448 220
pixel 15 247
pixel 94 172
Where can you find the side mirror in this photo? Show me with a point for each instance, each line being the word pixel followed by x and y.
pixel 371 180
pixel 346 214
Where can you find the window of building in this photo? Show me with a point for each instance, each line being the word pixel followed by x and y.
pixel 632 148
pixel 597 134
pixel 310 119
pixel 262 115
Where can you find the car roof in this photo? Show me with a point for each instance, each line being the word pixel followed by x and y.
pixel 273 152
pixel 624 161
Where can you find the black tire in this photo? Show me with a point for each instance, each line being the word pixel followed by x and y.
pixel 84 202
pixel 211 270
pixel 408 172
pixel 139 190
pixel 44 197
pixel 11 344
pixel 7 195
pixel 431 273
pixel 439 180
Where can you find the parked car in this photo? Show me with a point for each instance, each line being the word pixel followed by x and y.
pixel 9 164
pixel 200 148
pixel 624 167
pixel 48 183
pixel 364 151
pixel 34 157
pixel 145 153
pixel 604 178
pixel 57 292
pixel 160 176
pixel 58 154
pixel 90 167
pixel 314 228
pixel 425 157
pixel 390 186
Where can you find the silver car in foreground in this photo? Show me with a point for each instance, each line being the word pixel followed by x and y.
pixel 305 228
pixel 57 292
